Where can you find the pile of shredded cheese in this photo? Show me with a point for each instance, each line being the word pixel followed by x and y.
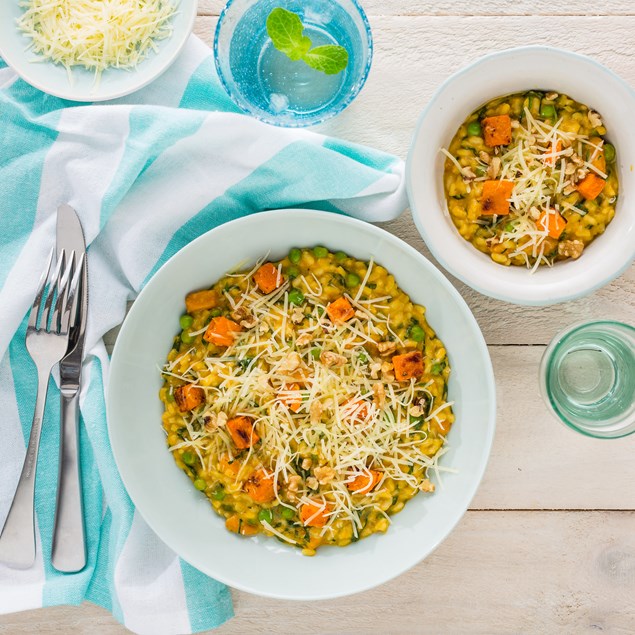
pixel 543 162
pixel 260 375
pixel 96 34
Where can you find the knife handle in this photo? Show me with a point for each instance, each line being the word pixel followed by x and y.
pixel 69 541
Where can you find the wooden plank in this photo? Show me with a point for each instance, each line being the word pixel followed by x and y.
pixel 498 572
pixel 538 463
pixel 404 48
pixel 484 7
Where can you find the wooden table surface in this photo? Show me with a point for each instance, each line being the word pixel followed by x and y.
pixel 549 542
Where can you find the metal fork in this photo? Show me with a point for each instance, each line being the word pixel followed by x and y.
pixel 47 341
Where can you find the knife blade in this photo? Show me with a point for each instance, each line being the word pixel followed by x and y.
pixel 69 542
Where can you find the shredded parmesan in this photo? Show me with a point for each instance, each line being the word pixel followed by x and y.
pixel 540 161
pixel 334 418
pixel 96 34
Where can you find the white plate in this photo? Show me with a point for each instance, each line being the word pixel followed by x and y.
pixel 182 516
pixel 53 78
pixel 518 70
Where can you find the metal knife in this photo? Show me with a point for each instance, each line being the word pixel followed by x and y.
pixel 69 540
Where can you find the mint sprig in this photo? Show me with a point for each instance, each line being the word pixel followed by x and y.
pixel 286 31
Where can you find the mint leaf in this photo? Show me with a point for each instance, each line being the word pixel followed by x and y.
pixel 285 30
pixel 329 59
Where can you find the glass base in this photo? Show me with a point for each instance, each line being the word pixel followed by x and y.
pixel 587 378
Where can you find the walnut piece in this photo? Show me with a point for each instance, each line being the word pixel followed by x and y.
pixel 494 167
pixel 375 369
pixel 297 315
pixel 315 411
pixel 386 348
pixel 312 482
pixel 484 157
pixel 332 359
pixel 306 464
pixel 291 362
pixel 214 420
pixel 379 395
pixel 594 119
pixel 570 248
pixel 324 474
pixel 294 483
pixel 304 339
pixel 387 371
pixel 426 486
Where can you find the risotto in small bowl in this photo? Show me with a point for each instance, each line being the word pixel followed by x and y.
pixel 520 175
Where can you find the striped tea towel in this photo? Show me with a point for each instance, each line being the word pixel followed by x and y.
pixel 147 175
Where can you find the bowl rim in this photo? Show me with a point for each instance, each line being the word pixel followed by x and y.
pixel 117 360
pixel 5 53
pixel 274 120
pixel 427 238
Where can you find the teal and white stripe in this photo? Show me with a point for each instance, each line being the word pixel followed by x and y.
pixel 147 175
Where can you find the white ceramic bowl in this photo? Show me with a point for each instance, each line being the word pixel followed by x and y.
pixel 182 516
pixel 511 71
pixel 53 78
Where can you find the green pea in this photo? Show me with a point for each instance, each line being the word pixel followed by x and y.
pixel 548 111
pixel 216 312
pixel 340 255
pixel 315 353
pixel 293 272
pixel 474 129
pixel 266 515
pixel 200 484
pixel 509 227
pixel 296 296
pixel 170 395
pixel 479 171
pixel 363 358
pixel 219 494
pixel 186 321
pixel 295 255
pixel 352 280
pixel 417 333
pixel 287 513
pixel 321 310
pixel 609 152
pixel 437 368
pixel 186 338
pixel 188 458
pixel 320 252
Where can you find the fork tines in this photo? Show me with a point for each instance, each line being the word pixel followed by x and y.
pixel 58 288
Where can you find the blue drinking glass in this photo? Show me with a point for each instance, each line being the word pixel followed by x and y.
pixel 266 84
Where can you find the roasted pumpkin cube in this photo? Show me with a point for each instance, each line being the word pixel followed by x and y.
pixel 552 223
pixel 241 430
pixel 600 161
pixel 497 131
pixel 261 487
pixel 221 331
pixel 314 514
pixel 340 310
pixel 408 365
pixel 293 402
pixel 591 186
pixel 364 483
pixel 495 197
pixel 199 300
pixel 189 397
pixel 551 150
pixel 268 278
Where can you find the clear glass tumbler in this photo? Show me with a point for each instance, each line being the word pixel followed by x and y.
pixel 587 378
pixel 265 83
